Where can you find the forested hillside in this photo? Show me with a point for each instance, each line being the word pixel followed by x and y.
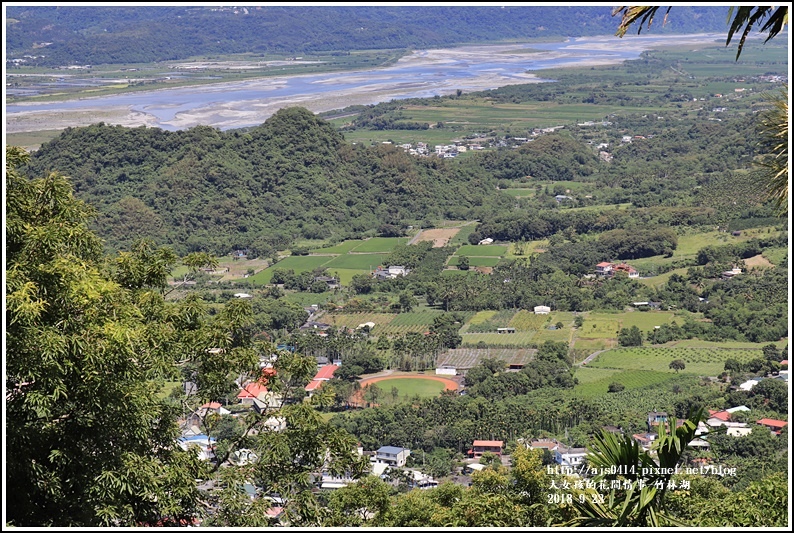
pixel 292 177
pixel 98 35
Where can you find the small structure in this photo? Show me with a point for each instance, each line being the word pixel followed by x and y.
pixel 604 268
pixel 776 426
pixel 391 272
pixel 392 455
pixel 479 447
pixel 542 309
pixel 728 274
pixel 204 443
pixel 655 419
pixel 486 241
pixel 243 295
pixel 447 370
pixel 565 456
pixel 505 330
pixel 562 197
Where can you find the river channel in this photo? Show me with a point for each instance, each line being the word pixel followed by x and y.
pixel 423 73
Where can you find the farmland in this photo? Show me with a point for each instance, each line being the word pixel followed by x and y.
pixel 700 361
pixel 465 358
pixel 484 250
pixel 366 262
pixel 594 382
pixel 407 388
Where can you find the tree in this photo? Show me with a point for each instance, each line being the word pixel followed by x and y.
pixel 407 301
pixel 616 387
pixel 677 365
pixel 636 504
pixel 773 125
pixel 630 336
pixel 89 443
pixel 463 263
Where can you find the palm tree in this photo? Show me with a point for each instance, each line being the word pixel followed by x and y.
pixel 641 503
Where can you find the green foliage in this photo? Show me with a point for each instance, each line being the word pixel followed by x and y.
pixel 630 336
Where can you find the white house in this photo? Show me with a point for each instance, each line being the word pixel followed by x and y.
pixel 392 455
pixel 565 456
pixel 542 309
pixel 205 445
pixel 486 241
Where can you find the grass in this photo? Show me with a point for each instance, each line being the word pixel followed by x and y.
pixel 657 281
pixel 476 261
pixel 700 361
pixel 364 262
pixel 410 387
pixel 297 263
pixel 307 298
pixel 646 320
pixel 481 317
pixel 341 248
pixel 485 250
pixel 500 339
pixel 380 244
pixel 775 255
pixel 345 275
pixel 462 236
pixel 31 140
pixel 592 385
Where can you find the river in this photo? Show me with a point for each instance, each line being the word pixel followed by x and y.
pixel 423 73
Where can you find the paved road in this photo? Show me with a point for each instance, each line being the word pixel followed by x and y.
pixel 590 357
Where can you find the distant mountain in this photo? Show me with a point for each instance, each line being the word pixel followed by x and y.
pixel 99 35
pixel 292 177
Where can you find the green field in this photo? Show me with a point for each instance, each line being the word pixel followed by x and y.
pixel 476 250
pixel 341 248
pixel 410 387
pixel 500 339
pixel 700 361
pixel 353 320
pixel 380 244
pixel 519 193
pixel 476 261
pixel 366 262
pixel 345 275
pixel 298 263
pixel 595 381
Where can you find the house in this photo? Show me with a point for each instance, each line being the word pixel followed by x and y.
pixel 565 456
pixel 243 456
pixel 775 426
pixel 252 391
pixel 486 241
pixel 321 326
pixel 201 413
pixel 716 418
pixel 423 481
pixel 543 444
pixel 479 447
pixel 312 387
pixel 447 370
pixel 328 280
pixel 205 445
pixel 505 330
pixel 243 295
pixel 474 467
pixel 604 269
pixel 739 431
pixel 392 455
pixel 542 309
pixel 728 274
pixel 737 409
pixel 628 269
pixel 325 373
pixel 645 440
pixel 749 384
pixel 391 272
pixel 655 419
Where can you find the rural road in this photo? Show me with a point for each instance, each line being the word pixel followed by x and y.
pixel 590 357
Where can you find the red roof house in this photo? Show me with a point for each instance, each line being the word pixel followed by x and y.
pixel 251 392
pixel 725 416
pixel 775 425
pixel 481 446
pixel 326 372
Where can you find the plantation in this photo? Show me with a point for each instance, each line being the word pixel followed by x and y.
pixel 353 320
pixel 296 263
pixel 500 339
pixel 476 261
pixel 465 358
pixel 345 275
pixel 597 384
pixel 646 320
pixel 700 361
pixel 528 321
pixel 341 248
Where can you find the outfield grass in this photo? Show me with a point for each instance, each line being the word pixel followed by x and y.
pixel 477 250
pixel 424 388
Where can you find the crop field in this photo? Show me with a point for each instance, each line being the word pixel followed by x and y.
pixel 462 236
pixel 356 261
pixel 345 275
pixel 341 248
pixel 598 326
pixel 657 281
pixel 476 261
pixel 353 320
pixel 696 343
pixel 307 298
pixel 379 244
pixel 499 339
pixel 476 250
pixel 481 317
pixel 519 193
pixel 556 335
pixel 646 320
pixel 775 255
pixel 465 358
pixel 297 263
pixel 528 321
pixel 631 379
pixel 593 345
pixel 700 361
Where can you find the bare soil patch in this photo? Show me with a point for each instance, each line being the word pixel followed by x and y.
pixel 439 237
pixel 758 261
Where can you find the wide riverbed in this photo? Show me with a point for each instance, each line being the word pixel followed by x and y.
pixel 421 74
